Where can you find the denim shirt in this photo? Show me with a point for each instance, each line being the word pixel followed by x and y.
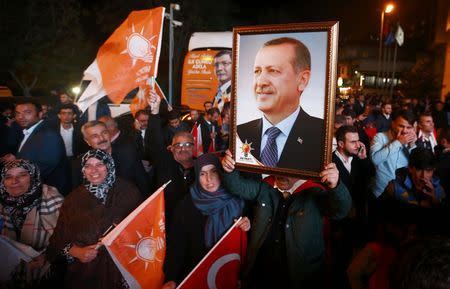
pixel 388 155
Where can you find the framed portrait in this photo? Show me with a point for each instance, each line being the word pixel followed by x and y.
pixel 283 94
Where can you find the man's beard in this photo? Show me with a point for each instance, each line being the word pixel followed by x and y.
pixel 30 125
pixel 350 154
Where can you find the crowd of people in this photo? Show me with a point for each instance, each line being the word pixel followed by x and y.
pixel 382 204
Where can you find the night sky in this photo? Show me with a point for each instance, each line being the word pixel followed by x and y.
pixel 60 60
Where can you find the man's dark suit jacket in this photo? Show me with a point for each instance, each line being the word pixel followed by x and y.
pixel 167 168
pixel 142 145
pixel 358 108
pixel 304 146
pixel 45 147
pixel 128 163
pixel 382 123
pixel 357 182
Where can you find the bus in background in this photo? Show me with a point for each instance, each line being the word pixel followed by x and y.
pixel 199 82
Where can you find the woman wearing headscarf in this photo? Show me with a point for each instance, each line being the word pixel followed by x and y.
pixel 88 211
pixel 29 211
pixel 200 220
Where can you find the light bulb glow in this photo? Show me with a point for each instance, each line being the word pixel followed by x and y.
pixel 389 8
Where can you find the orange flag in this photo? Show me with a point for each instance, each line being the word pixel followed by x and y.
pixel 127 59
pixel 138 244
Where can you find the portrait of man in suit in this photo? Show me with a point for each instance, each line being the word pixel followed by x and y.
pixel 222 69
pixel 285 135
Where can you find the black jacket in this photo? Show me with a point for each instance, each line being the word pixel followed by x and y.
pixel 304 147
pixel 166 168
pixel 357 182
pixel 46 149
pixel 79 146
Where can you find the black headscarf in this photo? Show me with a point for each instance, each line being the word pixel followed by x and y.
pixel 100 191
pixel 18 207
pixel 220 206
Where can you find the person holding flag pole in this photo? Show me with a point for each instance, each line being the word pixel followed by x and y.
pixel 87 213
pixel 200 220
pixel 128 59
pixel 174 162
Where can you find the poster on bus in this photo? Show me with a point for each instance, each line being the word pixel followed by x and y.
pixel 206 77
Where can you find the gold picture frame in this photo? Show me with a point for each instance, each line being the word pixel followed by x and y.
pixel 263 95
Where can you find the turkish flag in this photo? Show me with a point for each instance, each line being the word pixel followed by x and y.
pixel 212 144
pixel 138 244
pixel 198 143
pixel 126 60
pixel 221 267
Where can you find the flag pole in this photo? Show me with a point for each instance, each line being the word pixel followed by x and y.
pixel 108 239
pixel 393 70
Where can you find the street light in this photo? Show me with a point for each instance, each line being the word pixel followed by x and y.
pixel 76 90
pixel 387 9
pixel 172 23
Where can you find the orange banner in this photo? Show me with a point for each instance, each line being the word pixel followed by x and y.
pixel 199 82
pixel 138 244
pixel 130 55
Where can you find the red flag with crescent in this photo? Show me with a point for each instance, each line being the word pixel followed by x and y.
pixel 198 143
pixel 220 268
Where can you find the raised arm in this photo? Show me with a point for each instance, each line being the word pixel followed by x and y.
pixel 248 189
pixel 156 145
pixel 337 199
pixel 382 149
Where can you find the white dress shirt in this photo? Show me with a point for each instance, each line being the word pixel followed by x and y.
pixel 143 135
pixel 67 136
pixel 347 163
pixel 222 89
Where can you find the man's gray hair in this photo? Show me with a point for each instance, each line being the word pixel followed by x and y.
pixel 185 134
pixel 90 124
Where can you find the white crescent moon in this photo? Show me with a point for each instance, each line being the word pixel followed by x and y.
pixel 212 273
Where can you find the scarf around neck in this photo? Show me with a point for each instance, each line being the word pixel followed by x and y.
pixel 220 207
